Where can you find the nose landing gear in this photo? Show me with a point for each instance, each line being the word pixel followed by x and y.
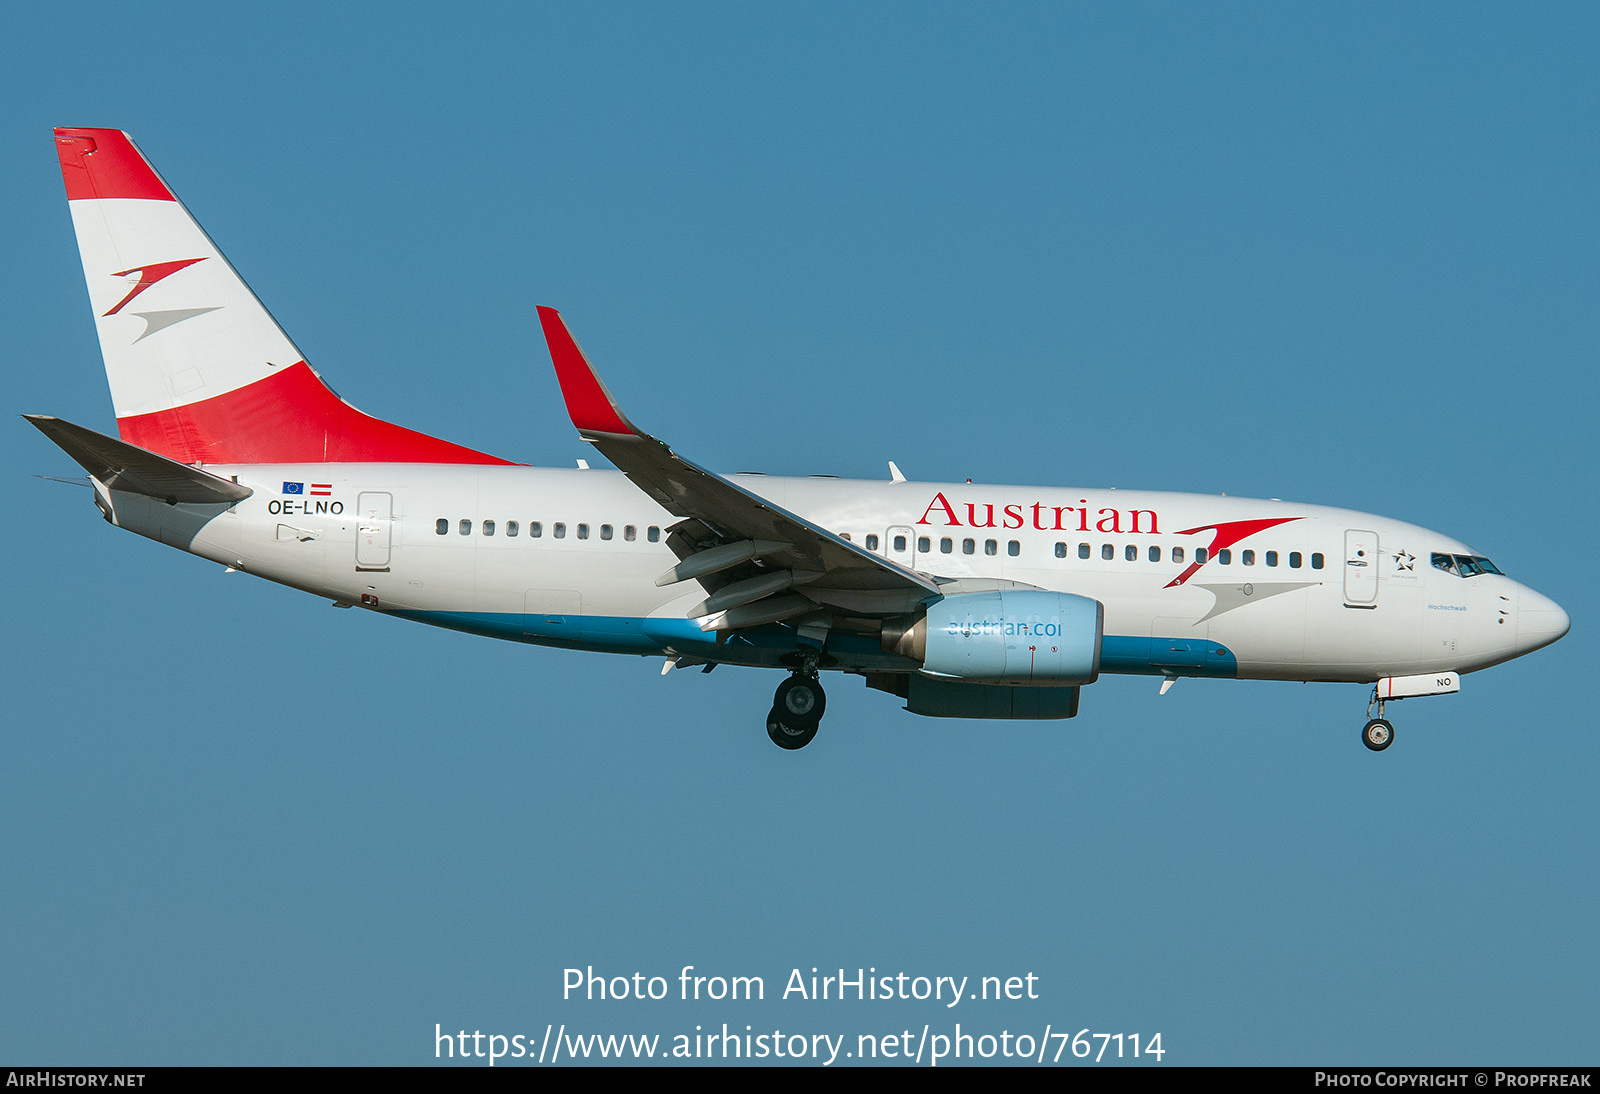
pixel 1378 733
pixel 797 708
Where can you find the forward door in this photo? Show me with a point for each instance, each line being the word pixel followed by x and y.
pixel 1360 569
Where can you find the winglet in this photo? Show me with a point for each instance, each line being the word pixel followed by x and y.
pixel 590 405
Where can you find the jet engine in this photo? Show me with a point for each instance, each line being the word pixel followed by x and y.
pixel 1017 637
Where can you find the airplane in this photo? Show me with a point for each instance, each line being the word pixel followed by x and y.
pixel 964 600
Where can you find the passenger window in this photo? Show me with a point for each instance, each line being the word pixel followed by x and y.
pixel 1272 558
pixel 1224 557
pixel 924 544
pixel 630 533
pixel 466 528
pixel 1177 554
pixel 1155 554
pixel 969 546
pixel 1061 550
pixel 1294 560
pixel 559 531
pixel 535 529
pixel 605 531
pixel 442 526
pixel 1200 554
pixel 511 527
pixel 1248 558
pixel 654 535
pixel 899 544
pixel 872 542
pixel 1131 553
pixel 583 531
pixel 1083 550
pixel 1013 548
pixel 488 527
pixel 1107 551
pixel 946 545
pixel 990 547
pixel 1316 562
pixel 844 535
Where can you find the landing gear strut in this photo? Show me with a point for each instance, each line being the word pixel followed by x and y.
pixel 1379 733
pixel 797 708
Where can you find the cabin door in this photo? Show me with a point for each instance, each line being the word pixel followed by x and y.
pixel 1361 569
pixel 374 530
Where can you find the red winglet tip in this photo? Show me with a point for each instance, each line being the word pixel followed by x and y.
pixel 589 404
pixel 104 163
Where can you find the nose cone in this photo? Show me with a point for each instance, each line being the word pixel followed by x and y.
pixel 1540 621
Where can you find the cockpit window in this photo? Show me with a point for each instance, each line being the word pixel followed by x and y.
pixel 1464 565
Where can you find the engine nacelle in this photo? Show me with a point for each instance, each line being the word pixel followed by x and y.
pixel 1019 637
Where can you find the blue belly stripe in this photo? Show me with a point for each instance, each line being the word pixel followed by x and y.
pixel 762 645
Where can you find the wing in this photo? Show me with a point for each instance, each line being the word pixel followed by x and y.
pixel 760 562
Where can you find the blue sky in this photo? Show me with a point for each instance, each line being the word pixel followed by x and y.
pixel 1342 255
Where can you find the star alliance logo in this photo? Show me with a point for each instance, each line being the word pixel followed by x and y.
pixel 1404 560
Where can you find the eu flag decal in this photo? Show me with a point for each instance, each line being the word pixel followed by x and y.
pixel 294 488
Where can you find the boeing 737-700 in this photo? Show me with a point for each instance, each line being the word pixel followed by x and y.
pixel 964 600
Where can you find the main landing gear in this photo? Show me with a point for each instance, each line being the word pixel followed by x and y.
pixel 797 708
pixel 1379 733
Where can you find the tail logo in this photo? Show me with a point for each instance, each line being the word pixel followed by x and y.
pixel 149 275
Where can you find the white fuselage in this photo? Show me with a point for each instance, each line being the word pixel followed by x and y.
pixel 1301 592
pixel 967 601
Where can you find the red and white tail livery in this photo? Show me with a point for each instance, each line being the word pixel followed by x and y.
pixel 199 370
pixel 964 600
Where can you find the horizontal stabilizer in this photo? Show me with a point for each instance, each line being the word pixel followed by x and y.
pixel 122 466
